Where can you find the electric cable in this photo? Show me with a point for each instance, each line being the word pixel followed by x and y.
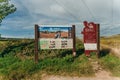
pixel 88 9
pixel 69 12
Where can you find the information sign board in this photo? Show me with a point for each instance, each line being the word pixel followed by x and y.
pixel 52 37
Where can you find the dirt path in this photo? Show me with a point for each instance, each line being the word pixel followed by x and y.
pixel 100 77
pixel 100 74
pixel 116 51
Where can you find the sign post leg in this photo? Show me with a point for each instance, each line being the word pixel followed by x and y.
pixel 36 43
pixel 74 40
pixel 98 40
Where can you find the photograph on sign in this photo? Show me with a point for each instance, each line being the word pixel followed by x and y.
pixel 54 32
pixel 55 37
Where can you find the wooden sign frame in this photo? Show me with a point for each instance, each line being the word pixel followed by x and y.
pixel 37 36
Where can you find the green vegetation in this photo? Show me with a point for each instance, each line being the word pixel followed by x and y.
pixel 16 47
pixel 5 9
pixel 13 68
pixel 109 60
pixel 17 61
pixel 111 63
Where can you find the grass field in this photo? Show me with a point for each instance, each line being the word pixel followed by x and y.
pixel 17 60
pixel 112 41
pixel 110 59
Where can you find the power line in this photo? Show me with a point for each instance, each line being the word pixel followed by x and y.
pixel 106 30
pixel 110 28
pixel 88 9
pixel 69 12
pixel 112 19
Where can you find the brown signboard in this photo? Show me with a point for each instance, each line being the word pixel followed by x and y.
pixel 54 37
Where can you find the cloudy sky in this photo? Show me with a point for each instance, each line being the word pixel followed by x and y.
pixel 30 12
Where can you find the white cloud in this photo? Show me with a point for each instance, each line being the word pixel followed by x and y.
pixel 30 12
pixel 58 9
pixel 101 9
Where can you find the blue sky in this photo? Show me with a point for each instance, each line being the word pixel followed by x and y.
pixel 61 12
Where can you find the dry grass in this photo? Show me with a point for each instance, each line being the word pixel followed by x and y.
pixel 111 54
pixel 113 41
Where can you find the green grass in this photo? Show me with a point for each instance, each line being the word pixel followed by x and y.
pixel 68 66
pixel 17 61
pixel 111 63
pixel 17 48
pixel 14 68
pixel 109 60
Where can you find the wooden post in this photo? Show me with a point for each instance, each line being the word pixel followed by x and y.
pixel 98 39
pixel 74 40
pixel 36 43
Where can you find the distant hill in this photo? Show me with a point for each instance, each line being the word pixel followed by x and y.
pixel 112 36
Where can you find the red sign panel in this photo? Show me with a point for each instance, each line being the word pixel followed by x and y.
pixel 89 32
pixel 90 35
